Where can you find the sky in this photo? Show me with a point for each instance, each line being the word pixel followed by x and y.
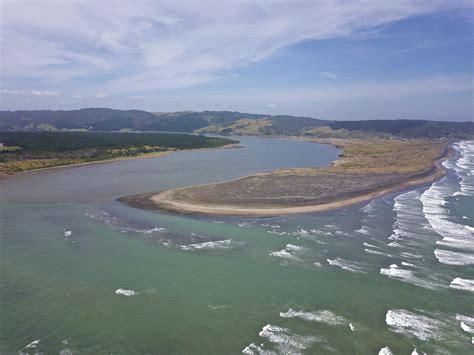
pixel 339 59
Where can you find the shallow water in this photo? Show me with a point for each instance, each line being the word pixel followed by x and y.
pixel 80 271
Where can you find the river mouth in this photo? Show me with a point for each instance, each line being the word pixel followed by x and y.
pixel 99 276
pixel 105 182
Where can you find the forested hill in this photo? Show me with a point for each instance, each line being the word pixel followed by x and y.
pixel 226 123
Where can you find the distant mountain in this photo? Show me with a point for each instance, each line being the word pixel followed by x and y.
pixel 226 123
pixel 91 119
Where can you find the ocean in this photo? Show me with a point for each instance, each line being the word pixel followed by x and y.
pixel 82 273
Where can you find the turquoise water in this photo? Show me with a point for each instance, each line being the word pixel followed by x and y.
pixel 395 273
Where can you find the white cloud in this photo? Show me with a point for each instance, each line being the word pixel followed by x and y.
pixel 393 90
pixel 45 93
pixel 271 106
pixel 135 97
pixel 31 92
pixel 77 96
pixel 13 92
pixel 122 47
pixel 327 74
pixel 102 96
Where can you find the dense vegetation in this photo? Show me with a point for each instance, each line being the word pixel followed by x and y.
pixel 227 123
pixel 35 150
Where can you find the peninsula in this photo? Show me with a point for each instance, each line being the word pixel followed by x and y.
pixel 366 169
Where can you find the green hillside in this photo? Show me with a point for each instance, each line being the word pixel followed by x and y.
pixel 226 123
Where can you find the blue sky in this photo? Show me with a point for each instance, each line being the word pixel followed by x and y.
pixel 357 59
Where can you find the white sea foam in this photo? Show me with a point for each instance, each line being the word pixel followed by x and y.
pixel 371 246
pixel 409 227
pixel 67 351
pixel 244 225
pixel 467 324
pixel 348 265
pixel 385 351
pixel 323 316
pixel 312 234
pixel 450 257
pixel 369 208
pixel 282 339
pixel 377 252
pixel 257 349
pixel 120 225
pixel 213 245
pixel 464 167
pixel 409 255
pixel 462 284
pixel 455 236
pixel 409 276
pixel 150 231
pixel 33 344
pixel 217 307
pixel 291 252
pixel 395 245
pixel 126 292
pixel 413 325
pixel 67 233
pixel 404 263
pixel 364 230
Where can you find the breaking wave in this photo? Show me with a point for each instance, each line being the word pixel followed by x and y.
pixel 125 292
pixel 212 245
pixel 121 225
pixel 282 340
pixel 455 236
pixel 323 316
pixel 291 252
pixel 348 265
pixel 450 257
pixel 464 167
pixel 462 284
pixel 385 351
pixel 413 325
pixel 409 276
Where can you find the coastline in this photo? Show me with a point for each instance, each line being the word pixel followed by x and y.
pixel 165 201
pixel 105 161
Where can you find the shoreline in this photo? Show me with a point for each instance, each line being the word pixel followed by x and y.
pixel 113 160
pixel 163 201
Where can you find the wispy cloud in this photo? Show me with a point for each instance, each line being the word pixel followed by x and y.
pixel 102 96
pixel 125 47
pixel 14 92
pixel 45 93
pixel 31 92
pixel 327 74
pixel 392 90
